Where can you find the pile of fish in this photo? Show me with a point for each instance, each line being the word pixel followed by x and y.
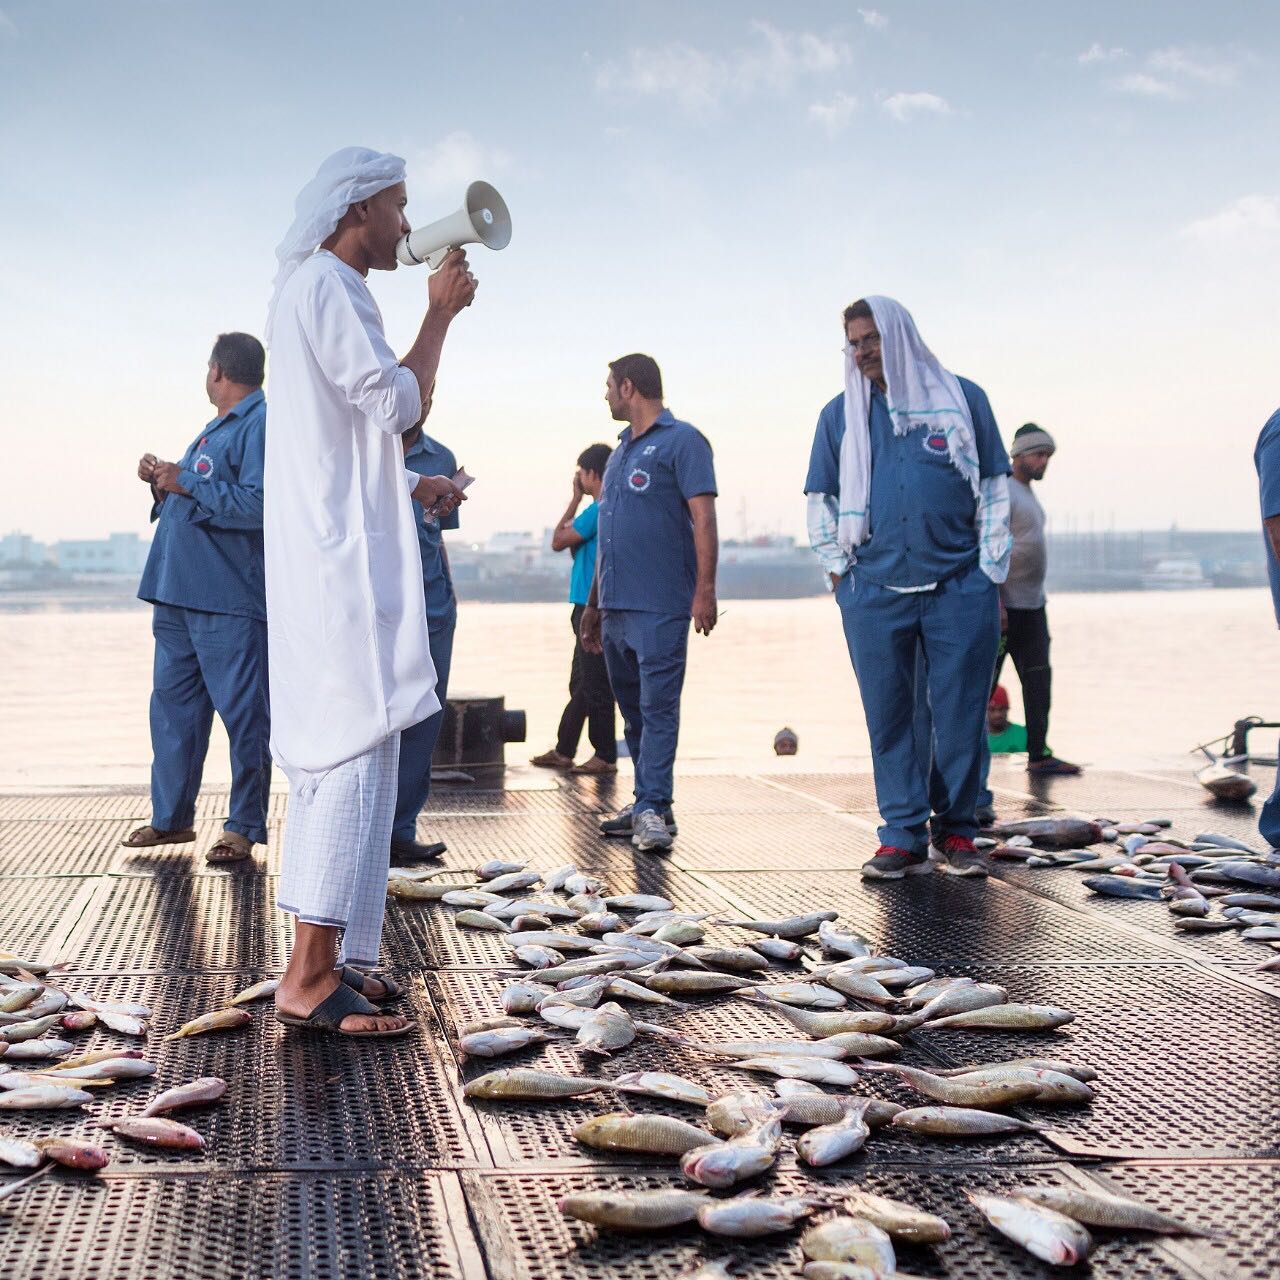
pixel 41 1072
pixel 599 967
pixel 1191 877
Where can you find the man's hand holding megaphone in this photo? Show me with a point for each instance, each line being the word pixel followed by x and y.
pixel 453 286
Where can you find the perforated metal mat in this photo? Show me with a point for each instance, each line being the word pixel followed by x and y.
pixel 287 1227
pixel 336 1159
pixel 526 1238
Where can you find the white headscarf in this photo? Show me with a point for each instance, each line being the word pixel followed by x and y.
pixel 345 178
pixel 920 392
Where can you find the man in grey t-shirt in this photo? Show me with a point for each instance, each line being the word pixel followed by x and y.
pixel 1023 600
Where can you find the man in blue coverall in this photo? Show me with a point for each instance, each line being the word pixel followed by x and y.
pixel 1266 458
pixel 911 523
pixel 427 457
pixel 204 577
pixel 656 568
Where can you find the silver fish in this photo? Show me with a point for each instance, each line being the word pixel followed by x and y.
pixel 1048 1235
pixel 30 1029
pixel 859 986
pixel 18 1153
pixel 529 1085
pixel 639 902
pixel 625 989
pixel 600 922
pixel 538 957
pixel 789 927
pixel 579 884
pixel 1099 1209
pixel 501 1040
pixel 557 879
pixel 549 911
pixel 496 867
pixel 586 904
pixel 901 1221
pixel 831 1142
pixel 777 949
pixel 514 882
pixel 957 1122
pixel 806 995
pixel 481 920
pixel 34 1050
pixel 722 1164
pixel 844 1239
pixel 556 939
pixel 259 991
pixel 841 942
pixel 634 1210
pixel 746 1217
pixel 44 1098
pixel 608 1028
pixel 196 1094
pixel 798 1067
pixel 156 1131
pixel 660 1084
pixel 470 898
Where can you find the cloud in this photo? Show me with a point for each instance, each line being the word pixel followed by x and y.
pixel 903 106
pixel 1143 85
pixel 1097 52
pixel 454 161
pixel 833 116
pixel 1250 218
pixel 876 20
pixel 1207 68
pixel 699 81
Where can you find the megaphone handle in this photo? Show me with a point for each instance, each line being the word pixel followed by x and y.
pixel 436 260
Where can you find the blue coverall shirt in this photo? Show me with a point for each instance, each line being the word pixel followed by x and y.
pixel 922 510
pixel 647 559
pixel 429 457
pixel 207 549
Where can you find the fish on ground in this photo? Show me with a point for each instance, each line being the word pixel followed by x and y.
pixel 633 1210
pixel 197 1093
pixel 790 927
pixel 780 949
pixel 957 1122
pixel 846 1239
pixel 828 1143
pixel 156 1131
pixel 259 991
pixel 746 1217
pixel 218 1020
pixel 1101 1209
pixel 527 1085
pixel 901 1221
pixel 501 1040
pixel 650 1134
pixel 661 1084
pixel 44 1098
pixel 1052 833
pixel 481 920
pixel 1013 1017
pixel 1046 1234
pixel 724 1163
pixel 826 1023
pixel 962 1091
pixel 607 1029
pixel 72 1154
pixel 797 1067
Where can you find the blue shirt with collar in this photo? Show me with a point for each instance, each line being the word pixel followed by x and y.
pixel 1266 458
pixel 922 511
pixel 428 457
pixel 647 559
pixel 207 549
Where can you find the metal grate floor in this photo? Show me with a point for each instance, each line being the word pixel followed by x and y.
pixel 330 1160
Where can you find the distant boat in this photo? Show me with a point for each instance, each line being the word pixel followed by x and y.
pixel 1175 575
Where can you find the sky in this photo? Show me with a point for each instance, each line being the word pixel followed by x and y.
pixel 1080 204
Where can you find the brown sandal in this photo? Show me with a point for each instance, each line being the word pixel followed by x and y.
pixel 143 837
pixel 236 848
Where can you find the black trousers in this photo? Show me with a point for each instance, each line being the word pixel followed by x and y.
pixel 1027 643
pixel 590 702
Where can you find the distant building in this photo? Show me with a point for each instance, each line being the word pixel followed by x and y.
pixel 122 553
pixel 21 550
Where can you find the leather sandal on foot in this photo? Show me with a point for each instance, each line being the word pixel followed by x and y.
pixel 356 980
pixel 329 1013
pixel 231 847
pixel 143 837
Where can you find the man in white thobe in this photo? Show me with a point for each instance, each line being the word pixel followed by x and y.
pixel 348 659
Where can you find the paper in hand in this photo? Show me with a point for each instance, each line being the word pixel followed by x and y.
pixel 462 480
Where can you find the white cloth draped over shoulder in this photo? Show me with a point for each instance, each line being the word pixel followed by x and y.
pixel 346 621
pixel 919 392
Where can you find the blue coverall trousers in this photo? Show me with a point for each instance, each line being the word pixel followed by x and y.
pixel 418 743
pixel 645 656
pixel 207 662
pixel 957 627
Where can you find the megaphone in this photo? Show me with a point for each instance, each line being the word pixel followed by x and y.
pixel 483 219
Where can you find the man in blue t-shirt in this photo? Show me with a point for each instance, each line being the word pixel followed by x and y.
pixel 204 576
pixel 655 569
pixel 427 457
pixel 590 696
pixel 908 511
pixel 1266 458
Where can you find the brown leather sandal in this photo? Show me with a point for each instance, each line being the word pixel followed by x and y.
pixel 143 837
pixel 231 847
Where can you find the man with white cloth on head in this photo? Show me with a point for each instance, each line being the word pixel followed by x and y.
pixel 909 515
pixel 349 661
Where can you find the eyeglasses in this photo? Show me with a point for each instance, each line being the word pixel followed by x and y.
pixel 865 344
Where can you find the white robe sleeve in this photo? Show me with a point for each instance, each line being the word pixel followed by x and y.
pixel 358 361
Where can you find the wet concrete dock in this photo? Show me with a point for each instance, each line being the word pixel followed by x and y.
pixel 340 1160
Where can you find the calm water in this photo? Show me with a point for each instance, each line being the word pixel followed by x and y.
pixel 1138 678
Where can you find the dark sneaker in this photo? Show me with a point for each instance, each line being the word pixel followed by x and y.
pixel 986 815
pixel 404 853
pixel 650 832
pixel 960 857
pixel 619 827
pixel 1052 767
pixel 892 864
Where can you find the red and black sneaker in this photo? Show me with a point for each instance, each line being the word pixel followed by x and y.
pixel 959 856
pixel 889 863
